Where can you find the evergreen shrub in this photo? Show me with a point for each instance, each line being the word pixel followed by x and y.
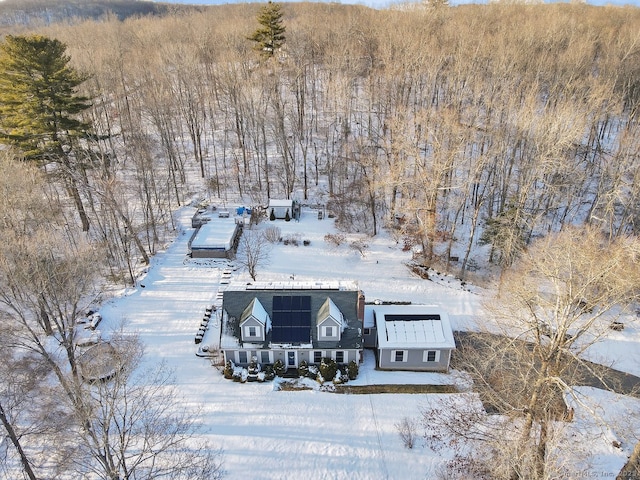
pixel 328 368
pixel 279 368
pixel 269 373
pixel 352 370
pixel 228 370
pixel 303 369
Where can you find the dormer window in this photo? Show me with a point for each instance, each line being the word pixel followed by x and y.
pixel 330 322
pixel 254 322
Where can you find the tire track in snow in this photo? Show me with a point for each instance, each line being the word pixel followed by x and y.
pixel 377 427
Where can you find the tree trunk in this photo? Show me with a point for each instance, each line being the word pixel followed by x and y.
pixel 11 433
pixel 43 318
pixel 77 200
pixel 541 450
pixel 527 428
pixel 631 469
pixel 129 227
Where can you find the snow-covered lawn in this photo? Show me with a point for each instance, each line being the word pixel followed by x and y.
pixel 271 434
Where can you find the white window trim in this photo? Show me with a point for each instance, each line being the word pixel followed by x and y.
pixel 426 353
pixel 336 331
pixel 247 332
pixel 405 356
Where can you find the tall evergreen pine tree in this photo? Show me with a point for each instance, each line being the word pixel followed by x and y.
pixel 38 99
pixel 39 105
pixel 269 37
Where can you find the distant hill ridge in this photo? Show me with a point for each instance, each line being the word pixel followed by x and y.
pixel 47 12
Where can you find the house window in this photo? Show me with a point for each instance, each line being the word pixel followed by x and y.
pixel 317 357
pixel 328 331
pixel 242 357
pixel 399 355
pixel 264 357
pixel 431 356
pixel 251 332
pixel 367 331
pixel 340 357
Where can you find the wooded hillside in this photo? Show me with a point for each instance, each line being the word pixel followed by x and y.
pixel 20 13
pixel 467 131
pixel 466 126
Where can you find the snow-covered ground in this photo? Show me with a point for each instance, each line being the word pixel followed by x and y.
pixel 270 434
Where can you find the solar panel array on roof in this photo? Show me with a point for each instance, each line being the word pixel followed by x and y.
pixel 291 319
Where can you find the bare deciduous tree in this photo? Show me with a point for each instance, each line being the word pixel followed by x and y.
pixel 556 301
pixel 456 132
pixel 253 251
pixel 115 429
pixel 18 386
pixel 272 234
pixel 139 427
pixel 408 431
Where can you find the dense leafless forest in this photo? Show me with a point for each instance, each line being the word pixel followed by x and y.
pixel 467 131
pixel 462 126
pixel 16 14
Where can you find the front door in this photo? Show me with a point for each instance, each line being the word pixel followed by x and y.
pixel 292 359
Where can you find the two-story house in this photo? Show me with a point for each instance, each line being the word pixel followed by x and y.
pixel 293 322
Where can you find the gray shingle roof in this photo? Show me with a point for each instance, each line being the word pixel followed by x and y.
pixel 236 301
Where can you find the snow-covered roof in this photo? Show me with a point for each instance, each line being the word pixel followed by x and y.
pixel 412 326
pixel 368 318
pixel 257 311
pixel 275 202
pixel 217 233
pixel 330 309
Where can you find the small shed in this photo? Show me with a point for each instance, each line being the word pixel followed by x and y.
pixel 217 238
pixel 413 337
pixel 279 208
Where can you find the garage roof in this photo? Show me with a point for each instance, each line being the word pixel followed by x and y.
pixel 413 326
